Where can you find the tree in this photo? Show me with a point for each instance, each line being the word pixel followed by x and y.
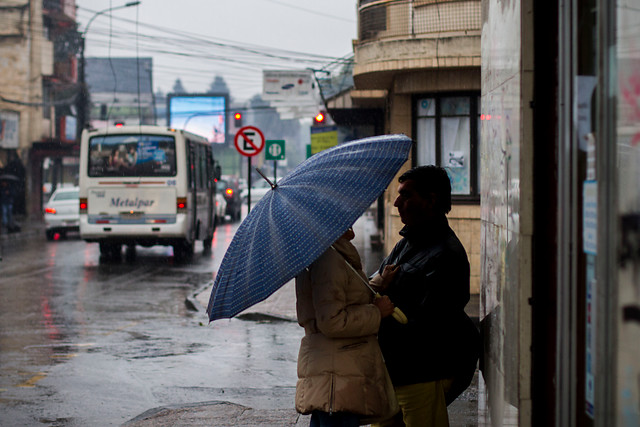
pixel 178 87
pixel 219 86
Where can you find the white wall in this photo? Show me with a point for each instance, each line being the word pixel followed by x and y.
pixel 506 213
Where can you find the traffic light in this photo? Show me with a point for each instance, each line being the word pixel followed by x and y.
pixel 320 118
pixel 237 119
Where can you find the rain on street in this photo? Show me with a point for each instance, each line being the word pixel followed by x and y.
pixel 85 342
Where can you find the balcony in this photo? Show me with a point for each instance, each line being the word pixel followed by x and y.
pixel 406 35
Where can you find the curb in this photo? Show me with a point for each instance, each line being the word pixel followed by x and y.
pixel 217 413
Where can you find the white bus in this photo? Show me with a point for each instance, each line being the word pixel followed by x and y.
pixel 146 185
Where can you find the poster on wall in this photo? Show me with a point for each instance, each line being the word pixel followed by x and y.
pixel 590 217
pixel 590 348
pixel 9 121
pixel 456 159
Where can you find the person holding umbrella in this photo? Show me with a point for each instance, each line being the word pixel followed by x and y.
pixel 297 230
pixel 432 358
pixel 342 376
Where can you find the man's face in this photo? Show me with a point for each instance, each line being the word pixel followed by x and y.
pixel 413 208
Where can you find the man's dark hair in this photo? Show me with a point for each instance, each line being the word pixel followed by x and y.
pixel 431 179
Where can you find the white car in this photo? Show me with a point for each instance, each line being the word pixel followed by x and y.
pixel 62 212
pixel 259 188
pixel 221 208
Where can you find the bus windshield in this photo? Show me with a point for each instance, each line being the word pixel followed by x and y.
pixel 132 155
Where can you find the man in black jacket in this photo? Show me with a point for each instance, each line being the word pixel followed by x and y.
pixel 431 359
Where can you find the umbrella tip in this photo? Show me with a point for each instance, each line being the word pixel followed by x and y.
pixel 272 184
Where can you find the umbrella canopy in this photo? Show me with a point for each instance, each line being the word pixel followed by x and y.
pixel 295 222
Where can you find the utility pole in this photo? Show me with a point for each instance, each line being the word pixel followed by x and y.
pixel 83 98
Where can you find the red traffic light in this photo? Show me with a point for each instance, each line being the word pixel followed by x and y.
pixel 237 119
pixel 319 118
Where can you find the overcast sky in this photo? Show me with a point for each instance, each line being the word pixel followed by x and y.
pixel 199 39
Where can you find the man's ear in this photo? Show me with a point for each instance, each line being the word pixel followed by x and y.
pixel 430 201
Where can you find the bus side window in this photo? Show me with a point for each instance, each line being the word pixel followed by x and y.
pixel 203 167
pixel 209 158
pixel 191 166
pixel 198 150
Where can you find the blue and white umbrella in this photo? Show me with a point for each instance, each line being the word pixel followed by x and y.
pixel 292 225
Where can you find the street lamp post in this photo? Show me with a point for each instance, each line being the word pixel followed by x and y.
pixel 83 100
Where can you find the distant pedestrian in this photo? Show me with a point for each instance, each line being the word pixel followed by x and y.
pixel 7 195
pixel 342 377
pixel 432 358
pixel 16 169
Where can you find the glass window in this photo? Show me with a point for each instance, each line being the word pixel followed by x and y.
pixel 427 138
pixel 447 132
pixel 132 155
pixel 458 106
pixel 66 195
pixel 427 107
pixel 455 152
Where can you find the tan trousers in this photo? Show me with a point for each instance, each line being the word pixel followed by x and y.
pixel 422 405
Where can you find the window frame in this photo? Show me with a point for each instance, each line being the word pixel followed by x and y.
pixel 474 138
pixel 117 141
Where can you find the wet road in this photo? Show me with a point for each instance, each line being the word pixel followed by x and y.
pixel 84 342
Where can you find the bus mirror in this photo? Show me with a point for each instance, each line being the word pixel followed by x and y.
pixel 217 172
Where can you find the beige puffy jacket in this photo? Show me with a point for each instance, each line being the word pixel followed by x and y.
pixel 340 365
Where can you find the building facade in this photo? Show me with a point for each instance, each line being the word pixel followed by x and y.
pixel 560 295
pixel 418 62
pixel 545 95
pixel 38 87
pixel 120 91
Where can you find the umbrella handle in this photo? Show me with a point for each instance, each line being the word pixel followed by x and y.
pixel 397 313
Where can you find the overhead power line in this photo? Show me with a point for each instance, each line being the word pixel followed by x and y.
pixel 241 64
pixel 258 50
pixel 314 12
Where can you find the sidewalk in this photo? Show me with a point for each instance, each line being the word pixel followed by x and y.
pixel 281 305
pixel 28 229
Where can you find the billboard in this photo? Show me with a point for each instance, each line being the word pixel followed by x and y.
pixel 283 85
pixel 200 114
pixel 323 137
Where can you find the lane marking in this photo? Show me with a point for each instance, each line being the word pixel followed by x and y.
pixel 31 382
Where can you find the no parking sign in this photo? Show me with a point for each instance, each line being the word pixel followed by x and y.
pixel 249 141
